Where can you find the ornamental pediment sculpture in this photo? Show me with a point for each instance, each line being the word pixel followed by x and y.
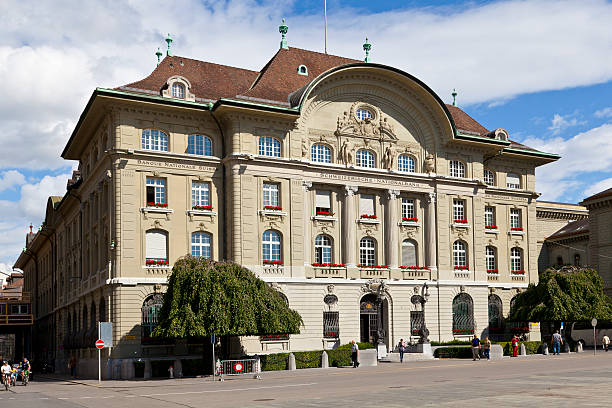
pixel 375 286
pixel 374 126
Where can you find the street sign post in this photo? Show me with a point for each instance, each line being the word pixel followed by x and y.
pixel 214 363
pixel 105 340
pixel 594 324
pixel 100 344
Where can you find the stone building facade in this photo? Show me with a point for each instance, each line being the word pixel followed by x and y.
pixel 323 175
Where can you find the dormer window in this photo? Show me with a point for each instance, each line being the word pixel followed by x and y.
pixel 178 87
pixel 178 90
pixel 302 70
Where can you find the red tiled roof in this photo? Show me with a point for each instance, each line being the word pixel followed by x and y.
pixel 573 228
pixel 208 80
pixel 280 75
pixel 273 84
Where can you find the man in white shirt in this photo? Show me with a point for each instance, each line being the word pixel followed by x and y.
pixel 606 342
pixel 355 354
pixel 6 371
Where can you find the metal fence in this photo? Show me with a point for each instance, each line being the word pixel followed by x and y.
pixel 240 367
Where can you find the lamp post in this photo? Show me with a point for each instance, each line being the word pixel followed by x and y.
pixel 379 289
pixel 424 331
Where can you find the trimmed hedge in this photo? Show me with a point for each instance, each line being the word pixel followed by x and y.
pixel 452 343
pixel 338 357
pixel 453 352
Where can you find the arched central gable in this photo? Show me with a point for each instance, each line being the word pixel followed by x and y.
pixel 403 108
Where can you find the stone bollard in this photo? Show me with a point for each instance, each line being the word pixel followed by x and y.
pixel 523 351
pixel 566 347
pixel 148 370
pixel 545 349
pixel 292 366
pixel 324 360
pixel 579 347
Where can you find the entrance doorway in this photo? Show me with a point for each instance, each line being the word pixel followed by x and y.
pixel 369 319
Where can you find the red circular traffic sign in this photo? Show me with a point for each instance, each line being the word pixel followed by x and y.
pixel 238 367
pixel 100 344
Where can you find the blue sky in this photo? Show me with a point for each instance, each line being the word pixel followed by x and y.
pixel 541 69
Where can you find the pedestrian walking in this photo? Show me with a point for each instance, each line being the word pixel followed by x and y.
pixel 486 348
pixel 401 347
pixel 515 344
pixel 557 341
pixel 475 348
pixel 605 340
pixel 72 366
pixel 354 354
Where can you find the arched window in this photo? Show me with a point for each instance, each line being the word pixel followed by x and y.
pixel 323 249
pixel 92 317
pixel 463 314
pixel 153 139
pixel 496 316
pixel 320 153
pixel 102 310
pixel 302 70
pixel 156 247
pixel 459 254
pixel 489 178
pixel 516 259
pixel 513 181
pixel 178 90
pixel 409 253
pixel 457 168
pixel 365 158
pixel 363 114
pixel 405 163
pixel 367 251
pixel 491 259
pixel 269 146
pixel 271 246
pixel 201 245
pixel 150 313
pixel 200 145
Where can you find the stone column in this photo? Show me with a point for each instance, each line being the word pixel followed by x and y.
pixel 430 234
pixel 349 227
pixel 392 230
pixel 307 185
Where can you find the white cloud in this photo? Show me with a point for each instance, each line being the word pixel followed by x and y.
pixel 10 179
pixel 559 123
pixel 31 207
pixel 604 113
pixel 598 187
pixel 56 53
pixel 587 152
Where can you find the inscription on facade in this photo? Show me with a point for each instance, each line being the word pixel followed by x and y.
pixel 376 180
pixel 506 197
pixel 175 165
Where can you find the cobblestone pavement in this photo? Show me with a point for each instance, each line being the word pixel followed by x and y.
pixel 576 380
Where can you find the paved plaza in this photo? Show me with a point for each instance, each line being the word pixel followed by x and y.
pixel 536 381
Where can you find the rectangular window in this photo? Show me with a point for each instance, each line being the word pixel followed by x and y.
pixel 513 181
pixel 331 325
pixel 490 258
pixel 200 194
pixel 515 218
pixel 458 210
pixel 408 209
pixel 366 204
pixel 156 246
pixel 19 309
pixel 156 191
pixel 489 216
pixel 417 318
pixel 323 202
pixel 271 195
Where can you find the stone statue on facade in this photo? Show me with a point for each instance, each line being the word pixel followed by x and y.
pixel 388 158
pixel 346 153
pixel 304 148
pixel 430 164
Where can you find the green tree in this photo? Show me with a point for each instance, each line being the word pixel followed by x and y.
pixel 568 294
pixel 206 297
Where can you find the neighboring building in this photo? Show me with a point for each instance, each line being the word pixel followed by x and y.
pixel 600 235
pixel 15 319
pixel 321 174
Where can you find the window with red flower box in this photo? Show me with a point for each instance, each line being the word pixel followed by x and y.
pixel 368 216
pixel 202 207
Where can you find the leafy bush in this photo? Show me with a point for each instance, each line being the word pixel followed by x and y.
pixel 342 355
pixel 453 352
pixel 308 359
pixel 452 343
pixel 531 347
pixel 274 362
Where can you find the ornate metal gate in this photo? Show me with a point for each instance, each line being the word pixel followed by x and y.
pixel 463 314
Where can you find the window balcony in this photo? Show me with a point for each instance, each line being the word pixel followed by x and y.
pixel 161 208
pixel 516 231
pixel 460 224
pixel 416 272
pixel 329 270
pixel 462 272
pixel 273 210
pixel 374 271
pixel 368 219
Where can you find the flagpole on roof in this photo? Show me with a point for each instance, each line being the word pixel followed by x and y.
pixel 325 13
